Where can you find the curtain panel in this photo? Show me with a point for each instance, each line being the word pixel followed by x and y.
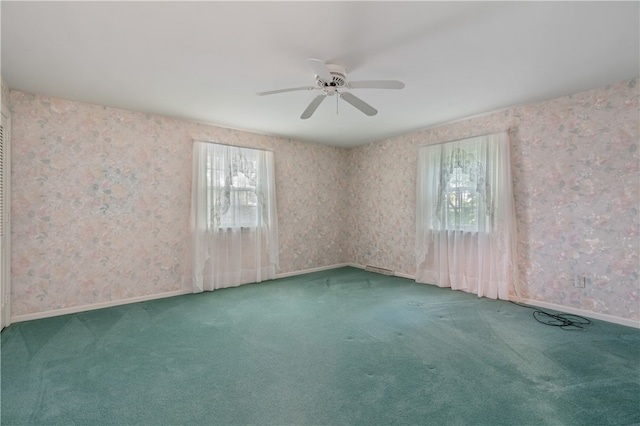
pixel 233 216
pixel 465 218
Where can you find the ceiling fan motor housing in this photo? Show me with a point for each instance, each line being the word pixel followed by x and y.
pixel 338 74
pixel 331 79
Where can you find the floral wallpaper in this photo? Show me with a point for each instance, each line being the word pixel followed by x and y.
pixel 575 166
pixel 101 199
pixel 101 202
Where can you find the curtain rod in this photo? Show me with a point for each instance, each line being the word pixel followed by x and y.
pixel 235 146
pixel 461 139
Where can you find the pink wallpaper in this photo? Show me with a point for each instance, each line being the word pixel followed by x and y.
pixel 575 166
pixel 101 201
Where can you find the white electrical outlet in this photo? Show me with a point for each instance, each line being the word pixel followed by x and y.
pixel 580 280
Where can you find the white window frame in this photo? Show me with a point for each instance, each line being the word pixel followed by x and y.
pixel 235 189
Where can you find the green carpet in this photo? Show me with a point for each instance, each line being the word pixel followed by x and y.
pixel 334 347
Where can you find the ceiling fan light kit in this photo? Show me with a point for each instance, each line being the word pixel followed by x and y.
pixel 331 79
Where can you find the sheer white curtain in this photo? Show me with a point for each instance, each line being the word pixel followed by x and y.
pixel 465 221
pixel 233 216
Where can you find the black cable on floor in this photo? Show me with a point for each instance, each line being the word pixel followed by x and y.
pixel 564 321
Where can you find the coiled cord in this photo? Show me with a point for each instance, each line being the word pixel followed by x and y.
pixel 564 321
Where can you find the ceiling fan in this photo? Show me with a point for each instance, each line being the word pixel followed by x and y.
pixel 332 79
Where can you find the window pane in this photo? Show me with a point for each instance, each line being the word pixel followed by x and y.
pixel 232 178
pixel 461 196
pixel 462 207
pixel 242 210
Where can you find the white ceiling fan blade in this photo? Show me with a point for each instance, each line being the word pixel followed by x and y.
pixel 359 103
pixel 376 84
pixel 321 69
pixel 315 103
pixel 293 89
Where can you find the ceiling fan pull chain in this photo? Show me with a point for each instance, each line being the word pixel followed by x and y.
pixel 337 97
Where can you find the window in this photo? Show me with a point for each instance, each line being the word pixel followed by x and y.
pixel 233 216
pixel 465 216
pixel 463 189
pixel 232 174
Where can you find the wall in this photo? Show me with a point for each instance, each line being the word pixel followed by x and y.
pixel 101 201
pixel 575 167
pixel 4 91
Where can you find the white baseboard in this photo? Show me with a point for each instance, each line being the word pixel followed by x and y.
pixel 580 312
pixel 355 265
pixel 94 306
pixel 395 274
pixel 307 271
pixel 84 308
pixel 552 306
pixel 112 303
pixel 407 276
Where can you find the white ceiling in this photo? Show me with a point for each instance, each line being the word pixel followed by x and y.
pixel 204 61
